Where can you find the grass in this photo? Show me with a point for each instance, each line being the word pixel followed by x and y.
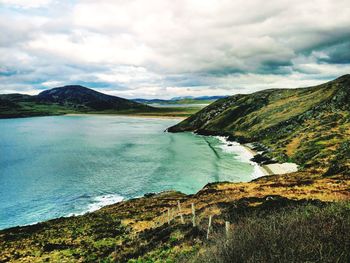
pixel 308 126
pixel 137 229
pixel 157 112
pixel 307 233
pixel 30 109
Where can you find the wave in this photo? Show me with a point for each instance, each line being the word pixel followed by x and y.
pixel 99 202
pixel 240 153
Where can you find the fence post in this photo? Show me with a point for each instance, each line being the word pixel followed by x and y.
pixel 180 211
pixel 169 216
pixel 194 215
pixel 173 213
pixel 227 228
pixel 209 225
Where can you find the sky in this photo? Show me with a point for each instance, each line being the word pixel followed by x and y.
pixel 168 48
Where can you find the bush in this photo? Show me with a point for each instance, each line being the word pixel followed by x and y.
pixel 303 234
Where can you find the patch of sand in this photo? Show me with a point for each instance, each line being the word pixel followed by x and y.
pixel 282 168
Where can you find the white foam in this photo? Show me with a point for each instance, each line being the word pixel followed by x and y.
pixel 241 154
pixel 101 201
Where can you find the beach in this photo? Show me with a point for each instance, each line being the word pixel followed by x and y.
pixel 247 153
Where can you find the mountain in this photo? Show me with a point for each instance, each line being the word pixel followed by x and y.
pixel 67 99
pixel 150 101
pixel 75 96
pixel 209 97
pixel 181 100
pixel 309 126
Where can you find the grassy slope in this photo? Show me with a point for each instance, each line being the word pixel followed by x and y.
pixel 157 112
pixel 301 234
pixel 309 126
pixel 78 99
pixel 32 109
pixel 137 229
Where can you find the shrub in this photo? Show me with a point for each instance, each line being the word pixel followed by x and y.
pixel 303 234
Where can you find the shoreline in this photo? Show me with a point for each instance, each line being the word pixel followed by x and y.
pixel 265 169
pixel 249 154
pixel 275 168
pixel 126 115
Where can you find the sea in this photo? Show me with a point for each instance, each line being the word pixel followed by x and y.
pixel 70 165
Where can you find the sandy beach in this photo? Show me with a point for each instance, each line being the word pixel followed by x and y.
pixel 276 168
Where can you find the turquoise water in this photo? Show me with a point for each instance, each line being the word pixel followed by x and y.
pixel 58 166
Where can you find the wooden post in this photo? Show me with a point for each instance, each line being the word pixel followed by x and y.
pixel 169 216
pixel 173 211
pixel 180 211
pixel 209 225
pixel 193 215
pixel 227 229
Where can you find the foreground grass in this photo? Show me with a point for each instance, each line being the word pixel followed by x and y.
pixel 307 233
pixel 265 228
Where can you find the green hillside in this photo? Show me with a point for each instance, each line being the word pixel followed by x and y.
pixel 309 126
pixel 77 99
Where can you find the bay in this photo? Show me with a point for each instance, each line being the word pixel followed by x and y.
pixel 63 165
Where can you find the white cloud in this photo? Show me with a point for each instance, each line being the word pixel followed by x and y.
pixel 26 3
pixel 164 47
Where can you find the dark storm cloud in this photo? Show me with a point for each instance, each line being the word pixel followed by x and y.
pixel 337 54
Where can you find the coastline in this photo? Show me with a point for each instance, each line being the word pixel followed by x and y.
pixel 274 168
pixel 245 154
pixel 126 115
pixel 265 169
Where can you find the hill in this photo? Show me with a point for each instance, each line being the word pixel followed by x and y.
pixel 78 99
pixel 309 126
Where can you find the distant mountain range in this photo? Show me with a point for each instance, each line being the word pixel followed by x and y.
pixel 67 99
pixel 199 98
pixel 308 126
pixel 181 100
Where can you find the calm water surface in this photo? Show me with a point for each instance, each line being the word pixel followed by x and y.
pixel 57 166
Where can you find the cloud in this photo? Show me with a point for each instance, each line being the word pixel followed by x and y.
pixel 165 48
pixel 25 3
pixel 337 54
